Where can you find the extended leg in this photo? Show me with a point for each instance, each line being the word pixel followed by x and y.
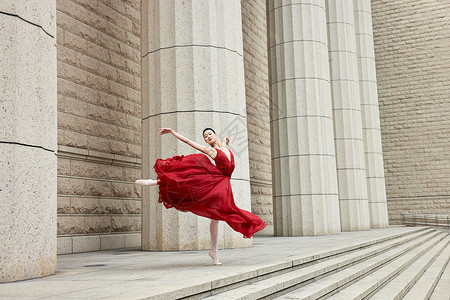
pixel 142 182
pixel 214 253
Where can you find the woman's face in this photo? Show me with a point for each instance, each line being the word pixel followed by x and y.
pixel 209 136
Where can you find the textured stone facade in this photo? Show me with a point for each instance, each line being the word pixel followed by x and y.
pixel 97 67
pixel 192 78
pixel 254 35
pixel 349 140
pixel 373 153
pixel 305 187
pixel 99 127
pixel 27 140
pixel 412 48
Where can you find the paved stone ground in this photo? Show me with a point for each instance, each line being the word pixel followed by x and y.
pixel 134 274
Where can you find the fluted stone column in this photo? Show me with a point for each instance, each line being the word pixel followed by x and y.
pixel 376 189
pixel 27 139
pixel 304 166
pixel 351 172
pixel 193 77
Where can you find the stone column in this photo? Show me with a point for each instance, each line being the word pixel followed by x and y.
pixel 27 139
pixel 304 166
pixel 373 151
pixel 192 78
pixel 351 172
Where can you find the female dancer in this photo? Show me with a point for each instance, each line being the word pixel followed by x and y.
pixel 192 183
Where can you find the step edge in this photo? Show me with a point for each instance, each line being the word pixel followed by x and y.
pixel 405 265
pixel 294 262
pixel 411 281
pixel 376 266
pixel 355 275
pixel 206 287
pixel 341 264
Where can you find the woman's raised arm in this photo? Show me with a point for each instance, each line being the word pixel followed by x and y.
pixel 205 149
pixel 225 141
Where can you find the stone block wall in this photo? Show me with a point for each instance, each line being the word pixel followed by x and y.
pixel 412 48
pixel 254 35
pixel 99 127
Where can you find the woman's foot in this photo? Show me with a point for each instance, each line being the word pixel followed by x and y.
pixel 215 260
pixel 142 182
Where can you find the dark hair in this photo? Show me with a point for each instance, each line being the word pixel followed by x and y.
pixel 203 134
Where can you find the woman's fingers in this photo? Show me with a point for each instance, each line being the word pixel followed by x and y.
pixel 164 130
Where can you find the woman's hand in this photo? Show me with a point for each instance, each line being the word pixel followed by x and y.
pixel 225 140
pixel 162 131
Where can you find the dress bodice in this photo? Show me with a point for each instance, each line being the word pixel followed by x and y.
pixel 225 166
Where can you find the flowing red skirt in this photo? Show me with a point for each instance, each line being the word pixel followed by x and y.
pixel 192 183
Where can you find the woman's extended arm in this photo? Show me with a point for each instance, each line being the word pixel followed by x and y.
pixel 205 149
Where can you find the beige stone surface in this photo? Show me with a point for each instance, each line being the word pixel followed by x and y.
pixel 64 245
pixel 108 242
pixel 99 107
pixel 412 52
pixel 350 164
pixel 25 100
pixel 27 140
pixel 376 189
pixel 434 205
pixel 303 154
pixel 133 240
pixel 254 36
pixel 83 243
pixel 39 13
pixel 192 78
pixel 28 213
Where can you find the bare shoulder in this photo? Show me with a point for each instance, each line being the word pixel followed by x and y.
pixel 211 152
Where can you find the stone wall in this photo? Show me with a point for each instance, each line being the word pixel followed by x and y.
pixel 27 139
pixel 254 34
pixel 99 128
pixel 412 48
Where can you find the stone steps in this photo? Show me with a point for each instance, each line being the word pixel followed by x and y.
pixel 361 280
pixel 272 269
pixel 384 280
pixel 394 265
pixel 442 288
pixel 400 285
pixel 295 278
pixel 426 284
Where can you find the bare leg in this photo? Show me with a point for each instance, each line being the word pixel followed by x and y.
pixel 214 253
pixel 150 182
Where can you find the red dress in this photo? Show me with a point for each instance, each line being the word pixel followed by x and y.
pixel 192 183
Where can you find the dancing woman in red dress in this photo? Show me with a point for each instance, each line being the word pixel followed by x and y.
pixel 193 183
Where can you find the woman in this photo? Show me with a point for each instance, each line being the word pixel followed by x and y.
pixel 192 183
